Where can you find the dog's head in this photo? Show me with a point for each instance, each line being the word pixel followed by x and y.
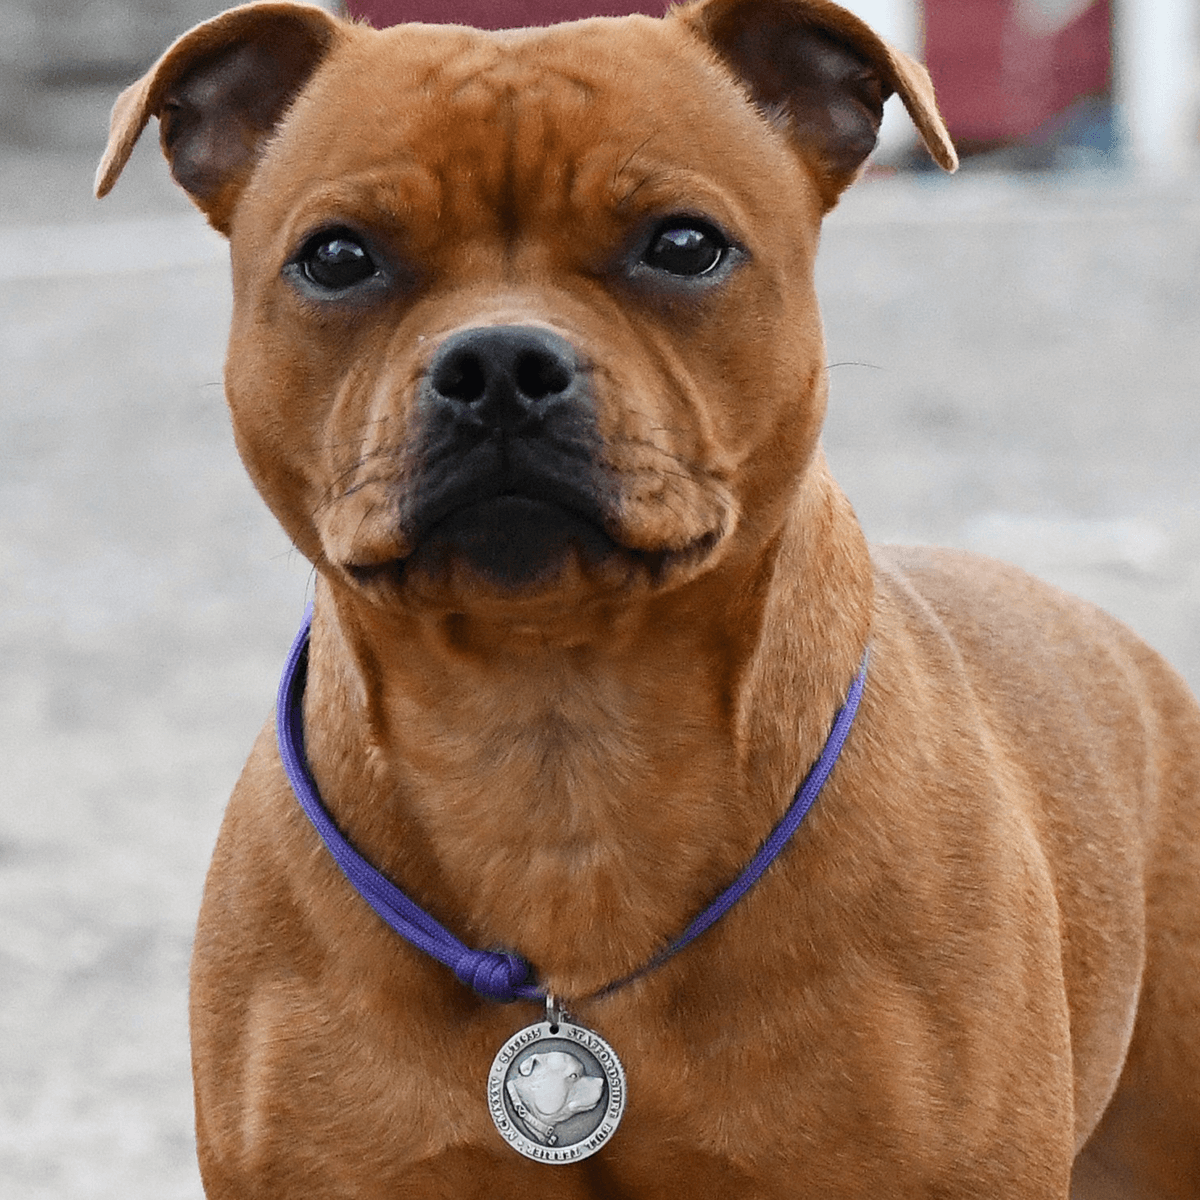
pixel 526 313
pixel 555 1088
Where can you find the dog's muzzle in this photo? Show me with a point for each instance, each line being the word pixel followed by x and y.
pixel 509 478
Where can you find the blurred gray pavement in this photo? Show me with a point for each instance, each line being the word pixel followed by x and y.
pixel 1014 365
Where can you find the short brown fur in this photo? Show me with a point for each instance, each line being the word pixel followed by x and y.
pixel 976 970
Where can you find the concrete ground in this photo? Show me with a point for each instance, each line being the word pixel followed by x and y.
pixel 1015 367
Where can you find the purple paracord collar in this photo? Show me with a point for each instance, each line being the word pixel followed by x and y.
pixel 498 975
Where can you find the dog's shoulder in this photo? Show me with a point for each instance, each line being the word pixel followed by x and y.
pixel 1031 658
pixel 993 605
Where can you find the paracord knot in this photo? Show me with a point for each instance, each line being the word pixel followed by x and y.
pixel 494 975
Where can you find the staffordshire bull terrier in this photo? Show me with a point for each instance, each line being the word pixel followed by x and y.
pixel 526 359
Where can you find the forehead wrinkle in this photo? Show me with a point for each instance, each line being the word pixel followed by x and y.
pixel 497 122
pixel 515 149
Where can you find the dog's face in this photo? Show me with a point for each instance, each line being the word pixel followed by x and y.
pixel 555 1088
pixel 523 313
pixel 523 356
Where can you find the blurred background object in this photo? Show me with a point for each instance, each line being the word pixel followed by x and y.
pixel 1068 83
pixel 59 59
pixel 496 14
pixel 1024 81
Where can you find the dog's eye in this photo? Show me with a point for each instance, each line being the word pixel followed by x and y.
pixel 685 248
pixel 335 261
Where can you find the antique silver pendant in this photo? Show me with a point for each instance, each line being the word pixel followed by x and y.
pixel 556 1091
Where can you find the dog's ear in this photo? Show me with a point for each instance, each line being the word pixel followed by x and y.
pixel 218 93
pixel 824 73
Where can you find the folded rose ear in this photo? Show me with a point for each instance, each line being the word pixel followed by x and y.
pixel 218 93
pixel 824 74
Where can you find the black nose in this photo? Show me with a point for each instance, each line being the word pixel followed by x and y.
pixel 504 377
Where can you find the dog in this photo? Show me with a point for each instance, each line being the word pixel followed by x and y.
pixel 526 359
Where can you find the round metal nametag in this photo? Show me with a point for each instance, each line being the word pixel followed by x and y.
pixel 556 1091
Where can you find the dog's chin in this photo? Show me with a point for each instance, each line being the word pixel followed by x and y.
pixel 518 548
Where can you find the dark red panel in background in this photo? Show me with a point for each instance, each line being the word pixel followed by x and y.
pixel 997 80
pixel 496 14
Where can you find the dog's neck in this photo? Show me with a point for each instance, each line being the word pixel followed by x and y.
pixel 490 762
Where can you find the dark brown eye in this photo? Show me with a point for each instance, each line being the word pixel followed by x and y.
pixel 335 261
pixel 684 247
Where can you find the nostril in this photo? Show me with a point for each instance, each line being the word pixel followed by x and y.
pixel 539 375
pixel 504 376
pixel 461 377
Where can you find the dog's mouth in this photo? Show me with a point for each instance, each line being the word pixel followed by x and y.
pixel 511 513
pixel 518 530
pixel 513 540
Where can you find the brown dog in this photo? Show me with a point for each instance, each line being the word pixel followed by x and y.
pixel 526 359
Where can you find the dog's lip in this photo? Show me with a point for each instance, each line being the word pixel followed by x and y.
pixel 510 482
pixel 560 503
pixel 457 506
pixel 545 489
pixel 657 563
